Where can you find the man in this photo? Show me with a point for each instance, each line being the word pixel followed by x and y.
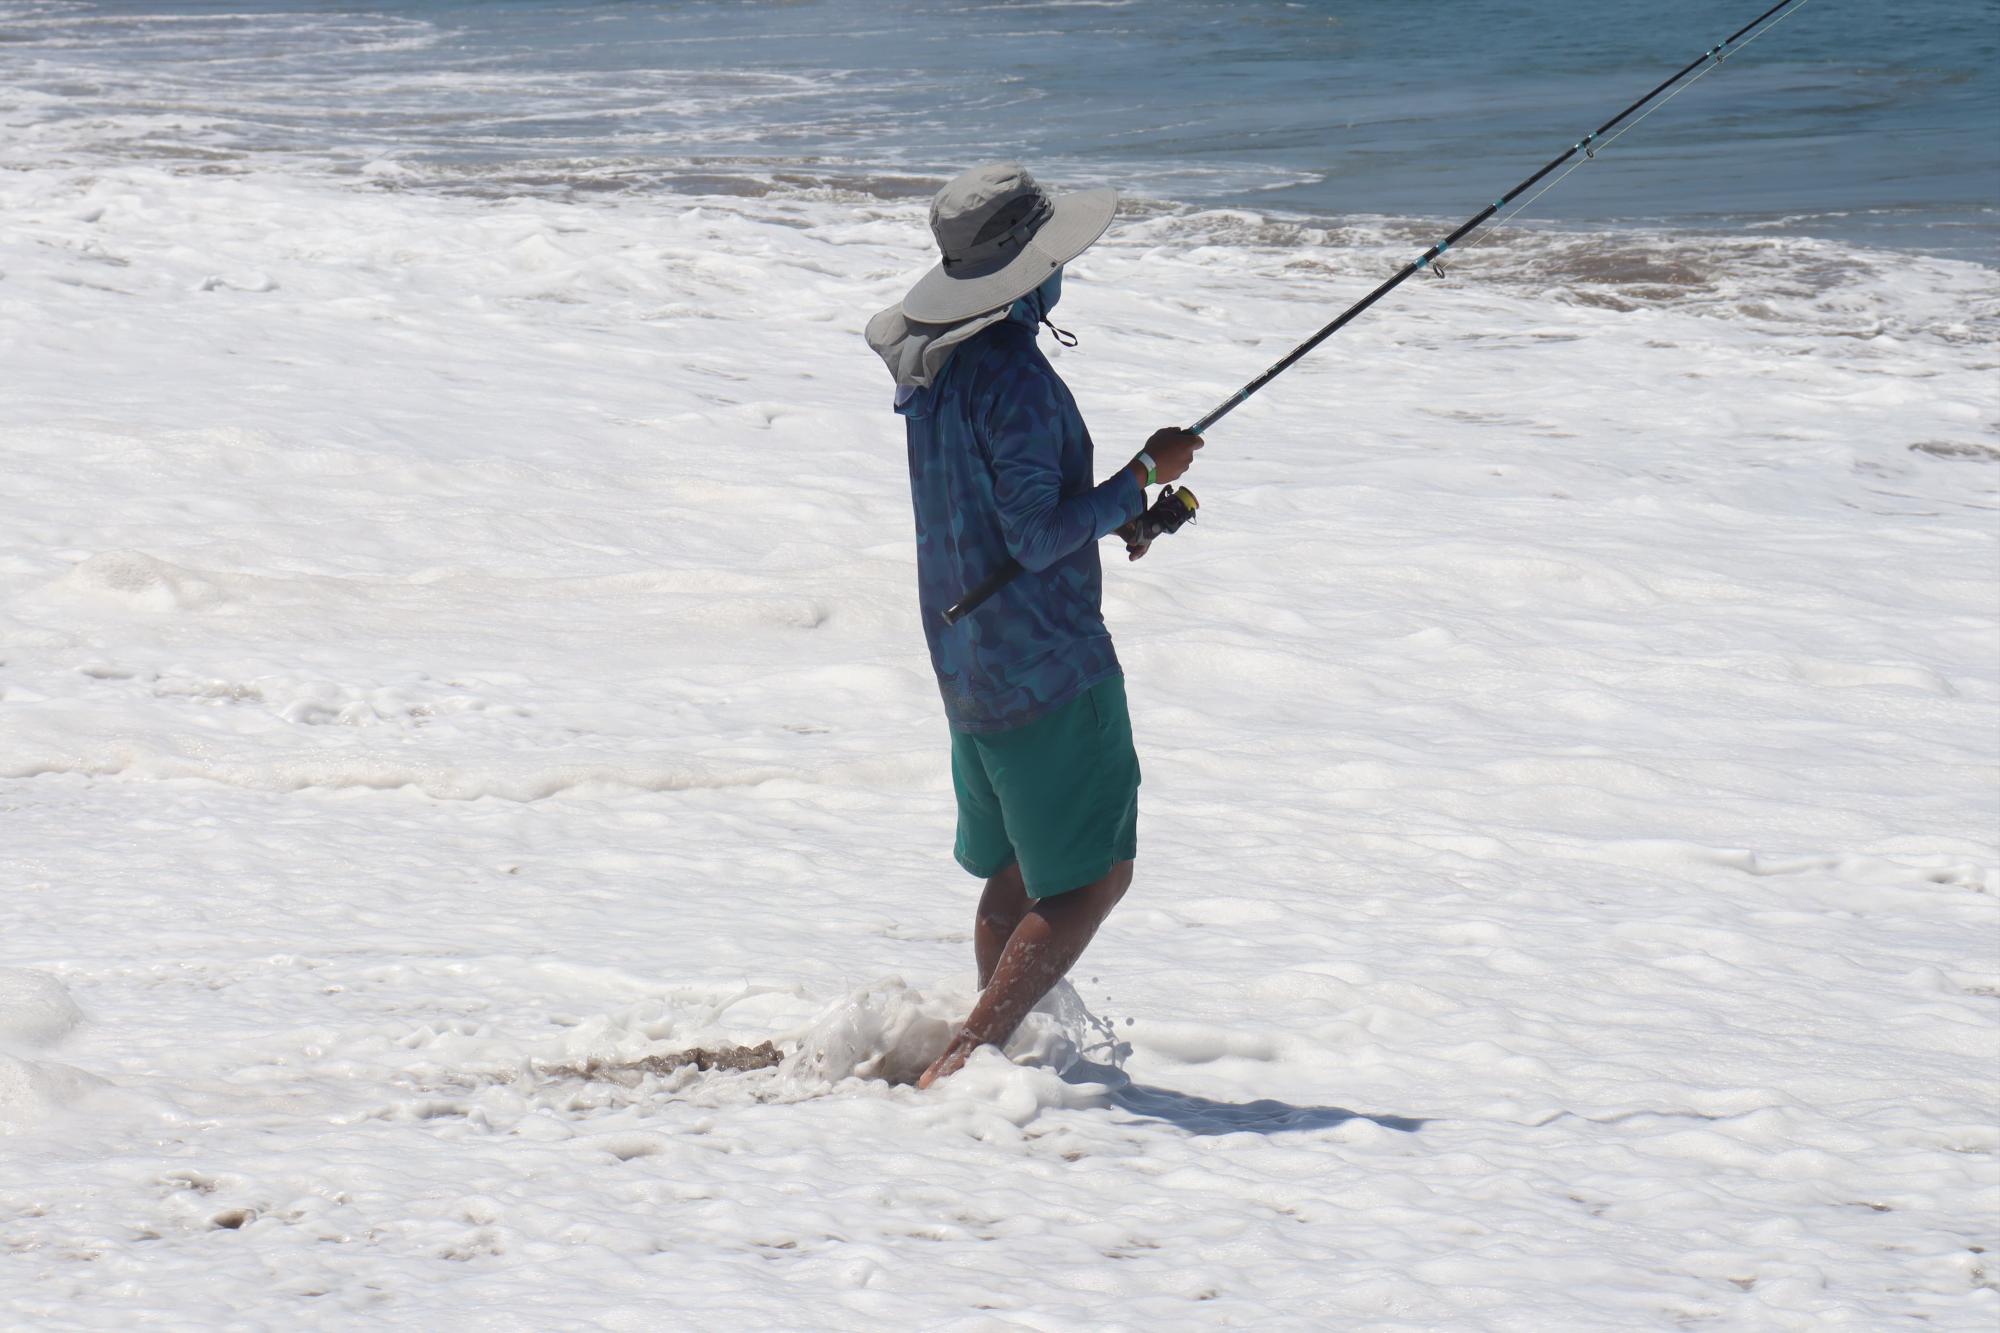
pixel 1000 467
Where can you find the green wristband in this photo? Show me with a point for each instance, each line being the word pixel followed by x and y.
pixel 1152 468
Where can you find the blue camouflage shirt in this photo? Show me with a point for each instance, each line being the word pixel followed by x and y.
pixel 1000 465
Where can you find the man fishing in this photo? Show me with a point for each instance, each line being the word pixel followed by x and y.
pixel 1001 475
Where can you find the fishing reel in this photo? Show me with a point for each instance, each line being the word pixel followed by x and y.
pixel 1173 510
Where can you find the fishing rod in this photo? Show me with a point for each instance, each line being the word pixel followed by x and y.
pixel 1175 508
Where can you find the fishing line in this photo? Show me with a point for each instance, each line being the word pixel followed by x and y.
pixel 1176 508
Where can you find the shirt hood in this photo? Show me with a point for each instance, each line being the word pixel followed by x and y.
pixel 916 353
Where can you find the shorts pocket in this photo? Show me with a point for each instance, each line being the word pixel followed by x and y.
pixel 1104 713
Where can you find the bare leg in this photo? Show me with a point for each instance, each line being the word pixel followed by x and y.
pixel 1049 939
pixel 1001 908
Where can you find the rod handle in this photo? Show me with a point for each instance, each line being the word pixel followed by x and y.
pixel 989 585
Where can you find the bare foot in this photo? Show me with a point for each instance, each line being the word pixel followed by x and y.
pixel 953 1060
pixel 1045 941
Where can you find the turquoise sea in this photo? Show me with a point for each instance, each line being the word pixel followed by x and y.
pixel 1869 123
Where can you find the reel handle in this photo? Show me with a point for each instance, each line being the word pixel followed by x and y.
pixel 1170 512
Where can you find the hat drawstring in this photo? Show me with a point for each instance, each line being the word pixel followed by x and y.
pixel 1063 336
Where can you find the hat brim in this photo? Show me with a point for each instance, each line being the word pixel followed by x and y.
pixel 1078 220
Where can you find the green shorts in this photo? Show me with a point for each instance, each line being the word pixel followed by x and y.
pixel 1060 795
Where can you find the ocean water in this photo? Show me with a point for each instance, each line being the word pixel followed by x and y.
pixel 459 649
pixel 1866 123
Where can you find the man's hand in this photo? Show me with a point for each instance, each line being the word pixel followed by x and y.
pixel 1129 534
pixel 1173 450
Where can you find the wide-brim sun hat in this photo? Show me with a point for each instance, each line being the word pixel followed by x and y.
pixel 1001 235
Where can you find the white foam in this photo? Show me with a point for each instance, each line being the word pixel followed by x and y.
pixel 887 1031
pixel 35 1008
pixel 34 1092
pixel 474 640
pixel 36 1011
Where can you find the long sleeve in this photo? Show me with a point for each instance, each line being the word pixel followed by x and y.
pixel 1001 469
pixel 1025 430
